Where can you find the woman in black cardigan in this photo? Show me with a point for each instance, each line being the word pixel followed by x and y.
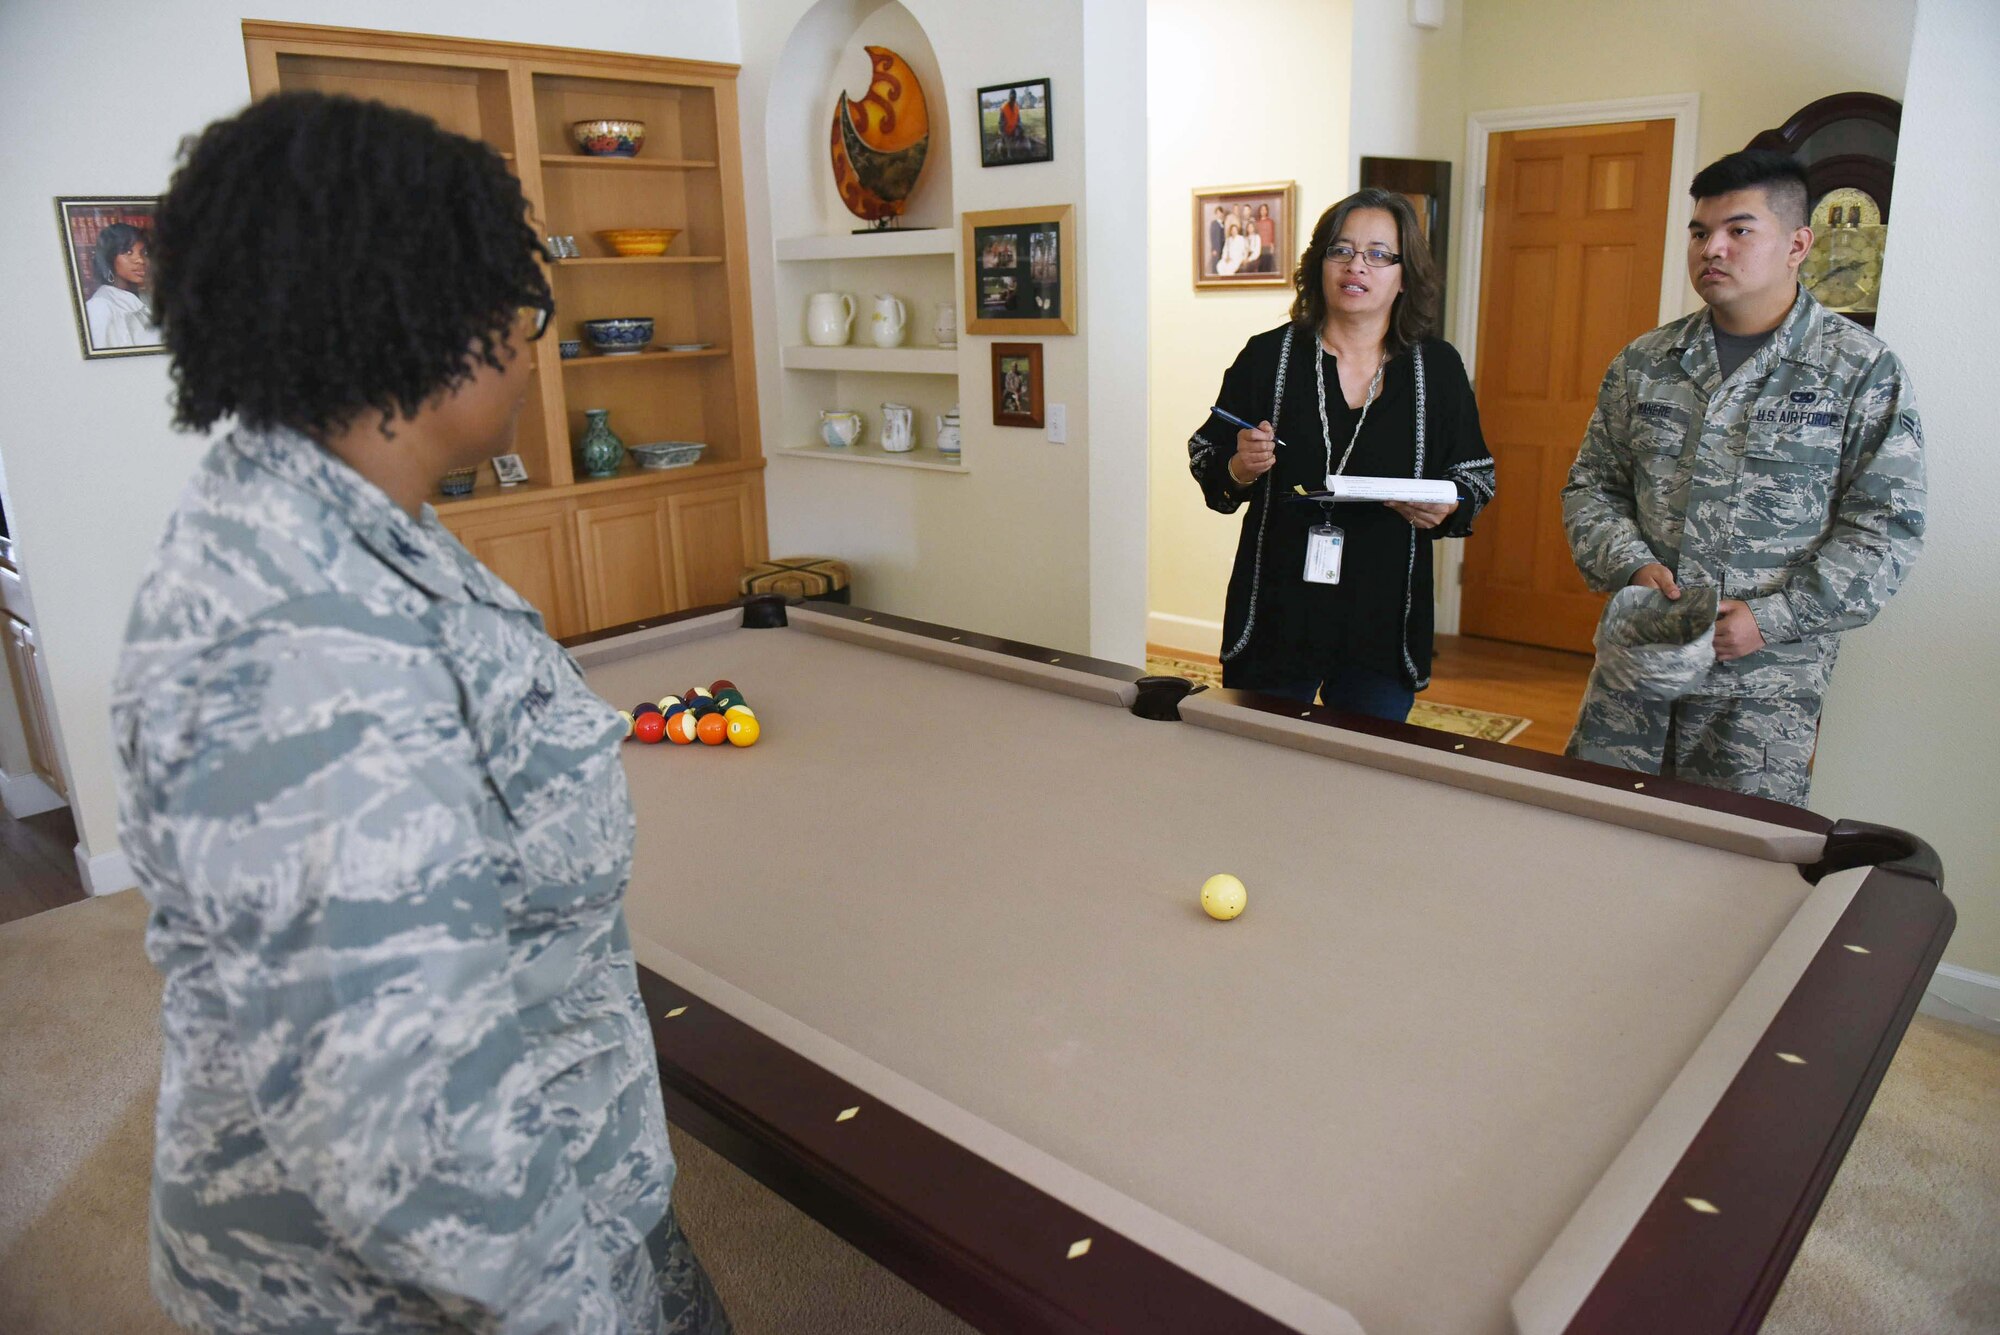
pixel 1337 390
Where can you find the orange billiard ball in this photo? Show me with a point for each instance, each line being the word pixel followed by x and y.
pixel 680 728
pixel 713 729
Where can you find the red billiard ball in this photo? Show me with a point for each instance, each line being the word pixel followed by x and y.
pixel 649 727
pixel 720 685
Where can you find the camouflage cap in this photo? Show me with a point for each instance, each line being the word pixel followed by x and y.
pixel 1652 646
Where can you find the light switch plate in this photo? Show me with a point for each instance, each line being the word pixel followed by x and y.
pixel 1056 416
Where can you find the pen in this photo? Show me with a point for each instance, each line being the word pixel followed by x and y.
pixel 1247 426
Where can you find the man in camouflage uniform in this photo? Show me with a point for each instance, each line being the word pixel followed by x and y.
pixel 1764 446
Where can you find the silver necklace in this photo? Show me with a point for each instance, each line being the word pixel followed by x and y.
pixel 1326 424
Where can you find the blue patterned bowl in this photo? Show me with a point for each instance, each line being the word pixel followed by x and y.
pixel 570 347
pixel 668 453
pixel 626 334
pixel 458 482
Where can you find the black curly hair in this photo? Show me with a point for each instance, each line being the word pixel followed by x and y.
pixel 316 257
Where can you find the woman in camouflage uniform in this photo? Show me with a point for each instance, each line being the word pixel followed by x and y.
pixel 408 1085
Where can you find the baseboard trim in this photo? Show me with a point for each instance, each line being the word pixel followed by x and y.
pixel 1187 634
pixel 1965 996
pixel 104 873
pixel 27 795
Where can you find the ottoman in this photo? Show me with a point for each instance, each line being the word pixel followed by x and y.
pixel 815 578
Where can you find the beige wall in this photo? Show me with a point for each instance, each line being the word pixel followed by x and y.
pixel 1911 734
pixel 1035 540
pixel 91 467
pixel 1291 125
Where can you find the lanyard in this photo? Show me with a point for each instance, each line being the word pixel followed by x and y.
pixel 1326 426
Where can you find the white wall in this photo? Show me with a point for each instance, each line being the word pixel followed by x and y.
pixel 95 99
pixel 1911 733
pixel 1007 546
pixel 1291 125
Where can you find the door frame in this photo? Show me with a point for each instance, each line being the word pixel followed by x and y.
pixel 1676 297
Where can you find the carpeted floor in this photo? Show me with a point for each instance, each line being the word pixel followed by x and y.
pixel 1481 723
pixel 1905 1243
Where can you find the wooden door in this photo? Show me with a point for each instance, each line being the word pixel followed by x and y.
pixel 627 561
pixel 715 538
pixel 1575 233
pixel 532 551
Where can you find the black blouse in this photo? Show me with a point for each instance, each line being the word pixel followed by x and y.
pixel 1379 615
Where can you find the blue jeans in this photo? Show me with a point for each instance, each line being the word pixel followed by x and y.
pixel 1357 690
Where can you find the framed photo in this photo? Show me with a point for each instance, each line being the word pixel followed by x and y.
pixel 1243 235
pixel 509 469
pixel 108 244
pixel 1017 384
pixel 1020 271
pixel 1016 124
pixel 1427 185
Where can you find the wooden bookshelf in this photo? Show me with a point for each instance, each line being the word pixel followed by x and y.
pixel 642 543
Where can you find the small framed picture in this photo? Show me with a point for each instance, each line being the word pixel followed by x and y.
pixel 1020 271
pixel 1016 124
pixel 108 244
pixel 1243 235
pixel 508 469
pixel 1017 384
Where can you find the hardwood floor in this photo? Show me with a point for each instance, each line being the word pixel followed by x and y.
pixel 37 864
pixel 1542 685
pixel 1545 685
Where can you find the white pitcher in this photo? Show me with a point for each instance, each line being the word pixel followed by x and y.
pixel 899 434
pixel 839 427
pixel 886 324
pixel 829 319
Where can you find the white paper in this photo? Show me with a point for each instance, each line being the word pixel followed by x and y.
pixel 1425 490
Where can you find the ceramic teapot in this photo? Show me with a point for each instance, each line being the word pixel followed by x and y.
pixel 885 326
pixel 948 434
pixel 829 319
pixel 839 427
pixel 899 429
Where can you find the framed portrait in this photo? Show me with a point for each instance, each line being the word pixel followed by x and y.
pixel 1243 235
pixel 1427 185
pixel 509 470
pixel 1016 124
pixel 1020 271
pixel 1017 384
pixel 108 244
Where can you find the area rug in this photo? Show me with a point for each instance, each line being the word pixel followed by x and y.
pixel 1480 723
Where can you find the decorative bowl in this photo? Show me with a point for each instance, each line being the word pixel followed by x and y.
pixel 458 482
pixel 639 240
pixel 570 347
pixel 624 334
pixel 667 453
pixel 608 139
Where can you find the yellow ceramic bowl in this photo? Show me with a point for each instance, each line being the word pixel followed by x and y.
pixel 639 240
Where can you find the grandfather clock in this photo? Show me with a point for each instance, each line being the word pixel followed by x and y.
pixel 1848 144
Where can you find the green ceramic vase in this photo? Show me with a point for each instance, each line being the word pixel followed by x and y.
pixel 598 450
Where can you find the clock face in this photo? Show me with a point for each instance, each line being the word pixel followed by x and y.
pixel 1843 270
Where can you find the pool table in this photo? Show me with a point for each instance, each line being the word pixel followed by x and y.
pixel 1502 1041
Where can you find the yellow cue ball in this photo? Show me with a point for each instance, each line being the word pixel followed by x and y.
pixel 1223 897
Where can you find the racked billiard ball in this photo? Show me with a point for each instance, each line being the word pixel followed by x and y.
pixel 649 728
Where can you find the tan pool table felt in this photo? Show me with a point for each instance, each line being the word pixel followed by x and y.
pixel 1391 1082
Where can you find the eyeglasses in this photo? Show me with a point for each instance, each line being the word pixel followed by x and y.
pixel 536 318
pixel 1374 259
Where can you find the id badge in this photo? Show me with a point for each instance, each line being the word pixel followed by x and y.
pixel 1323 548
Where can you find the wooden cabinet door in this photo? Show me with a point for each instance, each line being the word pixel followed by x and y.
pixel 715 536
pixel 533 552
pixel 627 561
pixel 24 662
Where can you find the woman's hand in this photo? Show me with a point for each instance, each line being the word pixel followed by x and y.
pixel 1421 515
pixel 1256 454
